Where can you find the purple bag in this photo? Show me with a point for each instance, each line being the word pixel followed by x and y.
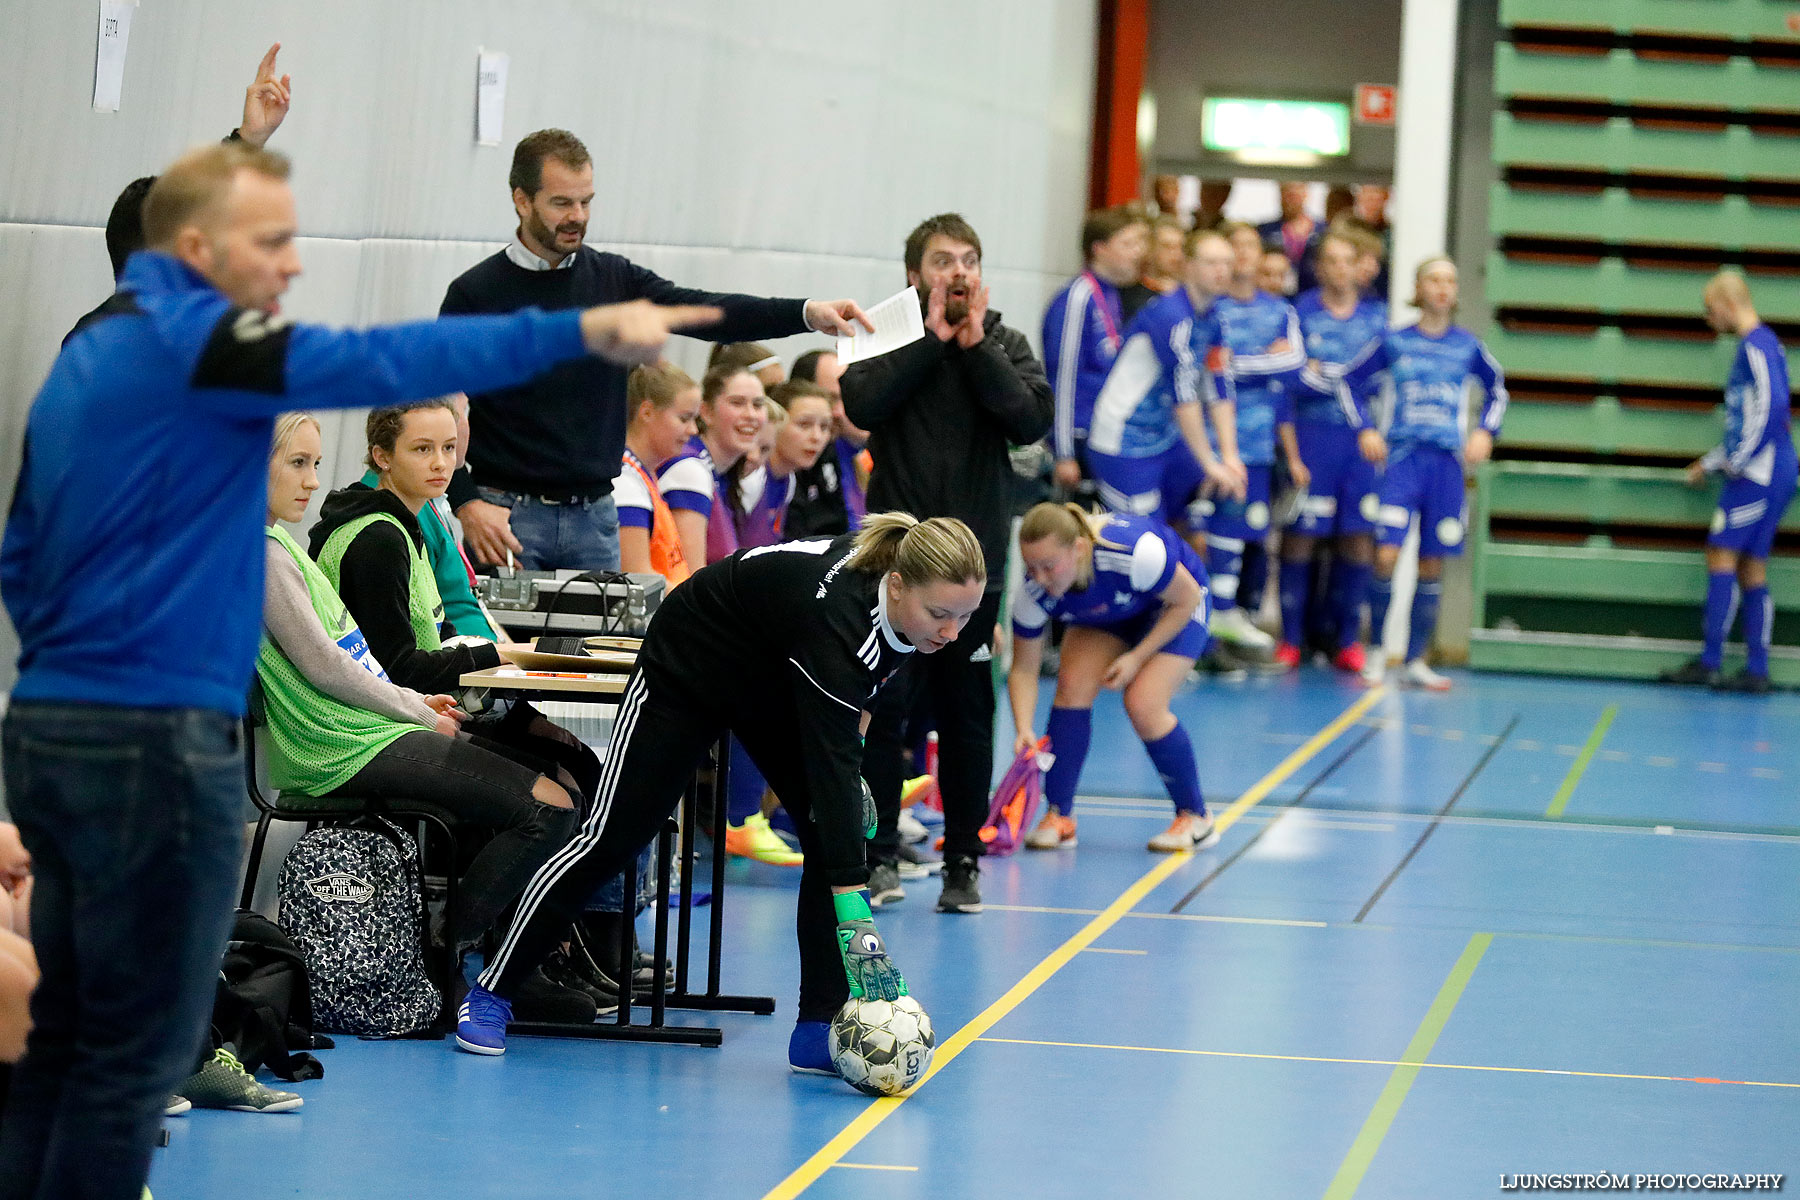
pixel 1016 800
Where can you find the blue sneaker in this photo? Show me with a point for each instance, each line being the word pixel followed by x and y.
pixel 809 1049
pixel 481 1022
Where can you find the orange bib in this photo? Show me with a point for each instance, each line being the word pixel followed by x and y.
pixel 666 558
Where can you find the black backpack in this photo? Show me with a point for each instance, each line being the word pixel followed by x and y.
pixel 263 1008
pixel 350 896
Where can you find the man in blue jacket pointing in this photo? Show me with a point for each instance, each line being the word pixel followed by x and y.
pixel 132 570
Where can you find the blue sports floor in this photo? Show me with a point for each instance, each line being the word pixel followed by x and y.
pixel 1530 926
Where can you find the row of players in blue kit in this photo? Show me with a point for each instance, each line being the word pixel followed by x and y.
pixel 1133 594
pixel 1208 380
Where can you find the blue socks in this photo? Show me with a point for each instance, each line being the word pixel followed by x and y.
pixel 1224 562
pixel 1758 616
pixel 1720 590
pixel 1381 595
pixel 1350 587
pixel 1173 756
pixel 1296 590
pixel 1069 730
pixel 1253 577
pixel 1424 617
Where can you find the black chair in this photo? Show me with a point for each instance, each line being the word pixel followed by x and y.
pixel 315 811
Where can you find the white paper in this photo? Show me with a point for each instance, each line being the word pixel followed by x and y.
pixel 897 322
pixel 490 96
pixel 109 52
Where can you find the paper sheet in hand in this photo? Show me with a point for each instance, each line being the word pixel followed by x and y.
pixel 897 321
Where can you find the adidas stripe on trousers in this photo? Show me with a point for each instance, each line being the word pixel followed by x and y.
pixel 659 737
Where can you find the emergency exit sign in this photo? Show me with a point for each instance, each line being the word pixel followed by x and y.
pixel 1247 126
pixel 1374 104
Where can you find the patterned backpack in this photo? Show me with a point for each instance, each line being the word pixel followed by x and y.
pixel 351 900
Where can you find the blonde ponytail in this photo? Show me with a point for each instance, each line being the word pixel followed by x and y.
pixel 1066 523
pixel 938 550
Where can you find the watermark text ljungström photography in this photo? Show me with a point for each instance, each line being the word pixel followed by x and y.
pixel 1656 1181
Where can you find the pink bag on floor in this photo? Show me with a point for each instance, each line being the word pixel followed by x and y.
pixel 1016 800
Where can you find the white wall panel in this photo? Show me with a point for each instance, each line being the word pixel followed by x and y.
pixel 778 148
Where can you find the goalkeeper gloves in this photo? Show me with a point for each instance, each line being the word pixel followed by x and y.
pixel 871 972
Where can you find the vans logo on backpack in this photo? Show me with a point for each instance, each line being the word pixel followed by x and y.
pixel 341 886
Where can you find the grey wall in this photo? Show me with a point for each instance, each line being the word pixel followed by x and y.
pixel 780 148
pixel 1311 49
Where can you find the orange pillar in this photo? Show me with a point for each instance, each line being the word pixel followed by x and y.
pixel 1121 48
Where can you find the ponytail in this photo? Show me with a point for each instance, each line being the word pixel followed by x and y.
pixel 938 550
pixel 1065 523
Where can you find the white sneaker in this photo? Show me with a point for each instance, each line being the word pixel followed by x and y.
pixel 1234 625
pixel 1054 832
pixel 1419 675
pixel 911 829
pixel 1188 831
pixel 1374 667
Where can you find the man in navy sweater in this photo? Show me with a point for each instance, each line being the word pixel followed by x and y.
pixel 132 570
pixel 543 455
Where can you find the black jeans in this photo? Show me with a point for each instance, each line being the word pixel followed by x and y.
pixel 475 786
pixel 134 821
pixel 657 742
pixel 958 682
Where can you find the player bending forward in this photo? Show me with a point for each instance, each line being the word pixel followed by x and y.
pixel 817 626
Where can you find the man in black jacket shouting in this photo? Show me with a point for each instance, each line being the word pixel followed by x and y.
pixel 941 413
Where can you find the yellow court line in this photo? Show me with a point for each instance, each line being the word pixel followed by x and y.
pixel 1560 802
pixel 1388 1062
pixel 865 1122
pixel 1375 1128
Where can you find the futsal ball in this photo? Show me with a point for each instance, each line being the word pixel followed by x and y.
pixel 882 1048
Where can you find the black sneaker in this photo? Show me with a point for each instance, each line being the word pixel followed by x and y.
pixel 539 999
pixel 962 891
pixel 884 884
pixel 586 967
pixel 1693 672
pixel 1743 681
pixel 560 970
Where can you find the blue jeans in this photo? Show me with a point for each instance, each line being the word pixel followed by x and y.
pixel 134 821
pixel 581 535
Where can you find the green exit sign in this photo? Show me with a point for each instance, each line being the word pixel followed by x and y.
pixel 1275 130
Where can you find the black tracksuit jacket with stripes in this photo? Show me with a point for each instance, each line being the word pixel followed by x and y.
pixel 789 638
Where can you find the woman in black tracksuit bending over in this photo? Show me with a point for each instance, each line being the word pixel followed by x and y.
pixel 819 626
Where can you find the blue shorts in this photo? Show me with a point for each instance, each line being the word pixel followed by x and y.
pixel 1341 499
pixel 1189 643
pixel 1428 482
pixel 1161 485
pixel 1245 520
pixel 1749 513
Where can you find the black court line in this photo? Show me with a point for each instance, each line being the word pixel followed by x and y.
pixel 1296 802
pixel 1441 813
